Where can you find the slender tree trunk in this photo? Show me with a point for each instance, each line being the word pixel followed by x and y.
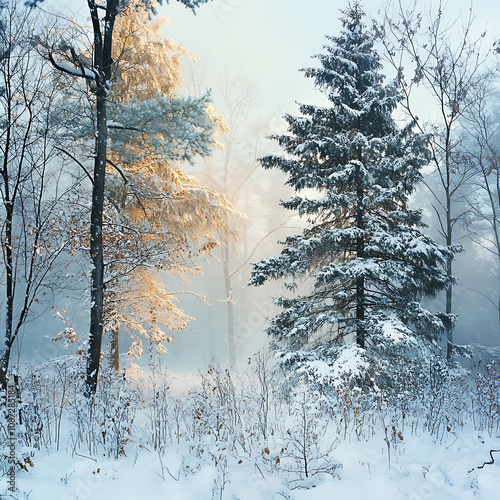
pixel 9 319
pixel 8 243
pixel 360 311
pixel 230 305
pixel 449 263
pixel 114 346
pixel 22 84
pixel 498 311
pixel 449 303
pixel 102 66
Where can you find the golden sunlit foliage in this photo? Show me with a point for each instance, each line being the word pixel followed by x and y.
pixel 148 62
pixel 160 219
pixel 175 220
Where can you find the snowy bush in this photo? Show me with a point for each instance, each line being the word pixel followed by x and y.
pixel 224 422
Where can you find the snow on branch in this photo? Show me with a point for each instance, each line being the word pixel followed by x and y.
pixel 67 68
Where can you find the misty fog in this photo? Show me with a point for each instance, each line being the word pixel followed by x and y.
pixel 254 50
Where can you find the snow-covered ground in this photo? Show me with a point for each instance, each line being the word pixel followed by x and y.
pixel 208 452
pixel 421 469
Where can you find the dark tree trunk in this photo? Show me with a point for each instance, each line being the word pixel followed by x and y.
pixel 102 67
pixel 9 269
pixel 9 319
pixel 114 346
pixel 449 263
pixel 96 250
pixel 360 253
pixel 449 304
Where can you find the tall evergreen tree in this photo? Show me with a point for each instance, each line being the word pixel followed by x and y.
pixel 353 171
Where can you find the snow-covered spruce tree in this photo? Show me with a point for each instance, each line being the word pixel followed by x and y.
pixel 353 171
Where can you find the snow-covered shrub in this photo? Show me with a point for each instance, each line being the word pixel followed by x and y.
pixel 104 423
pixel 38 409
pixel 218 408
pixel 158 411
pixel 486 397
pixel 394 361
pixel 46 392
pixel 307 452
pixel 263 385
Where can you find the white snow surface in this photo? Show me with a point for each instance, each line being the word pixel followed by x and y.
pixel 396 331
pixel 421 466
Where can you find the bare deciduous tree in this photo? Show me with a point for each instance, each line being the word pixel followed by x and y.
pixel 32 231
pixel 449 66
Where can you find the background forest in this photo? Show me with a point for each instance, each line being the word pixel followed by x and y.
pixel 294 303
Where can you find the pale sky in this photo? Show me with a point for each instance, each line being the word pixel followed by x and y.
pixel 267 41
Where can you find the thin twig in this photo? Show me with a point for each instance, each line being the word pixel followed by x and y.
pixel 486 463
pixel 76 161
pixel 84 456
